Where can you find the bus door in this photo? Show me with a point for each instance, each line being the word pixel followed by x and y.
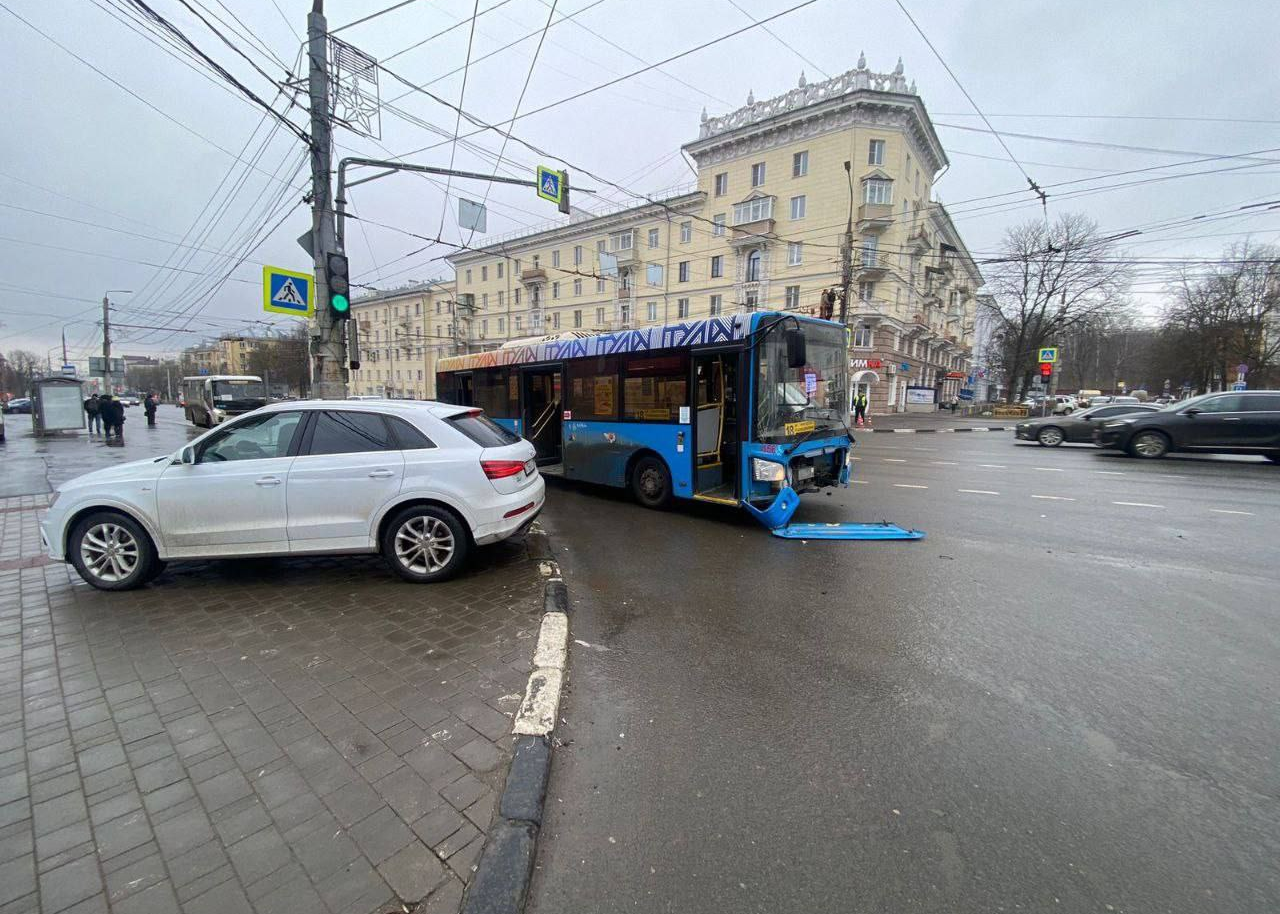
pixel 717 431
pixel 541 410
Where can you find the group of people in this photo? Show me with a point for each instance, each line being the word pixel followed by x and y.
pixel 106 414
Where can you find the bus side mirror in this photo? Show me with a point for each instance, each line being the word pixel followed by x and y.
pixel 797 357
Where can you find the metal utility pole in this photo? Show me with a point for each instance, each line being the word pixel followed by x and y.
pixel 328 353
pixel 846 254
pixel 64 345
pixel 106 344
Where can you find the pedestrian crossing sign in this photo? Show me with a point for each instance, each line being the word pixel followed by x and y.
pixel 1048 354
pixel 286 292
pixel 550 184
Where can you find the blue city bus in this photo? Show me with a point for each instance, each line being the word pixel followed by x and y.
pixel 746 410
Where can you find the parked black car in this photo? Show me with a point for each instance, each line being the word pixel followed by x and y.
pixel 1239 422
pixel 18 405
pixel 1052 431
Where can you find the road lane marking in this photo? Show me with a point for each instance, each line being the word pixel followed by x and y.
pixel 1225 511
pixel 1049 469
pixel 924 449
pixel 903 485
pixel 1172 476
pixel 993 466
pixel 861 482
pixel 894 460
pixel 1136 504
pixel 851 457
pixel 1109 472
pixel 1053 497
pixel 978 491
pixel 945 463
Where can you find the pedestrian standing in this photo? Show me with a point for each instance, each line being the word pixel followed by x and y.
pixel 91 407
pixel 859 408
pixel 149 407
pixel 113 417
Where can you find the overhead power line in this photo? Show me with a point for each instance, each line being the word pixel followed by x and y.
pixel 383 12
pixel 462 98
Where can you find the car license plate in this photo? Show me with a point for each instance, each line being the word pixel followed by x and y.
pixel 530 466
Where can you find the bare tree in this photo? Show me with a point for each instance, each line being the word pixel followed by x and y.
pixel 21 367
pixel 1048 280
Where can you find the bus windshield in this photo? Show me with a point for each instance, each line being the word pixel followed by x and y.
pixel 230 391
pixel 799 401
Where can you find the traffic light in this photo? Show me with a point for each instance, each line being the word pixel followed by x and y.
pixel 1046 370
pixel 336 274
pixel 564 192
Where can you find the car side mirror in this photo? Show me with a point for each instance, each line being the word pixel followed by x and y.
pixel 1191 412
pixel 187 455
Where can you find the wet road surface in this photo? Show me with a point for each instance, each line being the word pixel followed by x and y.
pixel 1065 698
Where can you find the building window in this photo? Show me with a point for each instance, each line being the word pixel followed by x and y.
pixel 622 241
pixel 875 153
pixel 757 174
pixel 537 261
pixel 535 296
pixel 484 274
pixel 722 184
pixel 577 255
pixel 599 317
pixel 686 232
pixel 863 336
pixel 797 207
pixel 501 295
pixel 417 309
pixel 682 307
pixel 795 253
pixel 878 191
pixel 599 285
pixel 753 266
pixel 437 309
pixel 555 289
pixel 653 274
pixel 653 238
pixel 800 164
pixel 751 300
pixel 515 296
pixel 468 277
pixel 518 323
pixel 602 245
pixel 500 266
pixel 684 271
pixel 652 308
pixel 717 227
pixel 555 320
pixel 502 325
pixel 866 291
pixel 484 328
pixel 716 304
pixel 577 287
pixel 577 318
pixel 484 299
pixel 753 210
pixel 624 314
pixel 870 244
pixel 517 266
pixel 717 266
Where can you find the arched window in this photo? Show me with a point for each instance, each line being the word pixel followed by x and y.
pixel 753 266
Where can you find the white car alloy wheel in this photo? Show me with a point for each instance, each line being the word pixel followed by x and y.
pixel 424 544
pixel 109 552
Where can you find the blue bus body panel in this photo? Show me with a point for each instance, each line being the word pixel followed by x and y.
pixel 511 425
pixel 599 451
pixel 881 531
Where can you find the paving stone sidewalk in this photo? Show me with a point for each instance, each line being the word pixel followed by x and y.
pixel 274 736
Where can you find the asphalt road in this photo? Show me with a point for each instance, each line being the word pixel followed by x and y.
pixel 1064 699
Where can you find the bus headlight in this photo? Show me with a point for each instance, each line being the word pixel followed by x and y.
pixel 767 471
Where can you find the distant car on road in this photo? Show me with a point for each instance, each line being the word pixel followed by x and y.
pixel 1078 427
pixel 1064 404
pixel 129 400
pixel 18 405
pixel 1243 422
pixel 420 482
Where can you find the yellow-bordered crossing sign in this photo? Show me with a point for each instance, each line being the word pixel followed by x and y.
pixel 550 184
pixel 1048 354
pixel 287 292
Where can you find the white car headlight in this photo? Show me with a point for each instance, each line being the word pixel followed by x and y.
pixel 767 470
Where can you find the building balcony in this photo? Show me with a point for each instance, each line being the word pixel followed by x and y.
pixel 918 240
pixel 751 232
pixel 533 274
pixel 629 259
pixel 872 267
pixel 874 217
pixel 624 293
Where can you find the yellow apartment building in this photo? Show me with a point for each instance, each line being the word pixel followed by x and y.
pixel 402 333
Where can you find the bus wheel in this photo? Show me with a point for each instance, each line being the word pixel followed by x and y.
pixel 651 482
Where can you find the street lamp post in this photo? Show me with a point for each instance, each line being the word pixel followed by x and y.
pixel 106 335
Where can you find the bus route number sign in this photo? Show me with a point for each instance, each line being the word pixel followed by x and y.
pixel 799 428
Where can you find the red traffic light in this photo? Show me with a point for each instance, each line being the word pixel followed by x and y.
pixel 1046 369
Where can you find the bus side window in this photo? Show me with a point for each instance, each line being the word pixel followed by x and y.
pixel 593 388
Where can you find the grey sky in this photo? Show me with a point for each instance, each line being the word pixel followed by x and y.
pixel 120 164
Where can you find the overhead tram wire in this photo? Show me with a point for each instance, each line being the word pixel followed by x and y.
pixel 1035 188
pixel 1073 141
pixel 528 77
pixel 778 38
pixel 457 123
pixel 382 12
pixel 433 37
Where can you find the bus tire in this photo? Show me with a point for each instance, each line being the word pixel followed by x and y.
pixel 651 482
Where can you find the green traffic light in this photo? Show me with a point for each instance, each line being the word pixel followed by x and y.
pixel 340 303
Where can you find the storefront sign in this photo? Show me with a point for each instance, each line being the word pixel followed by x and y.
pixel 955 375
pixel 865 363
pixel 920 394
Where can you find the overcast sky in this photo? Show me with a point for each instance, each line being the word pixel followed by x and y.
pixel 139 158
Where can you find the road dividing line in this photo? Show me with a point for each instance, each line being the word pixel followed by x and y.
pixel 861 482
pixel 1109 472
pixel 1172 476
pixel 945 463
pixel 903 485
pixel 1053 497
pixel 1136 504
pixel 993 466
pixel 894 460
pixel 1049 469
pixel 978 491
pixel 1225 511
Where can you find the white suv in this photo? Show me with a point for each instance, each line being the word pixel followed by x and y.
pixel 420 482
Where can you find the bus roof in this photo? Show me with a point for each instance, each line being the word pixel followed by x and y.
pixel 706 332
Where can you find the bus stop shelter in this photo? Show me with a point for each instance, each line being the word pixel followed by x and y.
pixel 58 406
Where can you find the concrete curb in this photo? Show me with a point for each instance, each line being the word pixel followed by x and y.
pixel 501 881
pixel 926 431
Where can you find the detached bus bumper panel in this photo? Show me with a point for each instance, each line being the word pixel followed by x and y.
pixel 778 515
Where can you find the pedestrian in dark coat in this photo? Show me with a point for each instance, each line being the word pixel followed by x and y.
pixel 113 417
pixel 149 407
pixel 91 410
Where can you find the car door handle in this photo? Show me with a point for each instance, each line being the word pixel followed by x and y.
pixel 267 481
pixel 381 474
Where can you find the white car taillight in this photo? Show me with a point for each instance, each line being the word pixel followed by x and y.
pixel 501 469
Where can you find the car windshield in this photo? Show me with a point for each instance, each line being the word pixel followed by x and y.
pixel 799 401
pixel 224 391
